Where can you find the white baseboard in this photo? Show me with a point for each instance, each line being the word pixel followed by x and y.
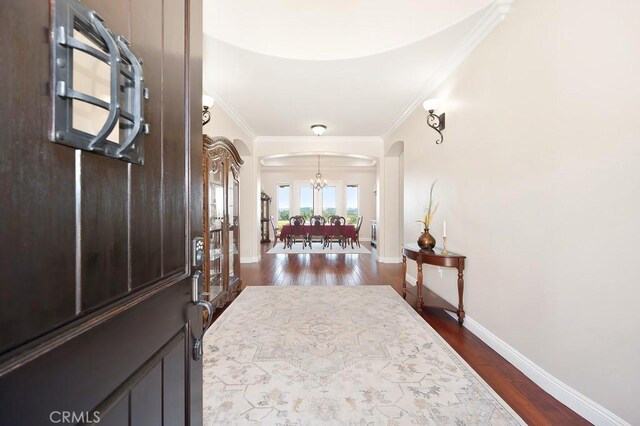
pixel 250 259
pixel 389 259
pixel 587 408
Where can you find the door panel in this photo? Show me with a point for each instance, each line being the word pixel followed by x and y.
pixel 84 373
pixel 96 308
pixel 146 399
pixel 103 228
pixel 174 123
pixel 146 225
pixel 118 415
pixel 173 398
pixel 36 201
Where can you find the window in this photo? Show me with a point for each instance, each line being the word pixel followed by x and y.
pixel 284 204
pixel 352 204
pixel 306 201
pixel 329 201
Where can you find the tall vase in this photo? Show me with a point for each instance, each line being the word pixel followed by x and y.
pixel 426 240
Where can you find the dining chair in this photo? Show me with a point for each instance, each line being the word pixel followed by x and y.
pixel 336 232
pixel 297 231
pixel 317 230
pixel 358 226
pixel 276 231
pixel 331 218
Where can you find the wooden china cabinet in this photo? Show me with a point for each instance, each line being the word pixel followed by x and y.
pixel 221 199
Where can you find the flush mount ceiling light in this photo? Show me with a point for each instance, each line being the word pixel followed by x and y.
pixel 318 183
pixel 318 129
pixel 436 122
pixel 207 102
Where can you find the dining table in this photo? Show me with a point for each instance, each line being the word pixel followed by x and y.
pixel 346 231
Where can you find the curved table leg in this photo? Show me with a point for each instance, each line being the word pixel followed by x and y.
pixel 404 276
pixel 419 287
pixel 460 293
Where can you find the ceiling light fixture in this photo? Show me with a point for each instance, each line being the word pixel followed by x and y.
pixel 318 183
pixel 207 102
pixel 318 129
pixel 436 122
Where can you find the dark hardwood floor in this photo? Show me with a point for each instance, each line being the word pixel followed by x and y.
pixel 533 404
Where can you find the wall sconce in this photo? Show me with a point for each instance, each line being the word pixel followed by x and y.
pixel 207 102
pixel 436 122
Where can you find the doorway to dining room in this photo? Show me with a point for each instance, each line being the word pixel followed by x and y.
pixel 350 190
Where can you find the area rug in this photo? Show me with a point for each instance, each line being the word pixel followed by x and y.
pixel 316 248
pixel 337 356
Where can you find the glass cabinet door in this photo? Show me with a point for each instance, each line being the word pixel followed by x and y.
pixel 234 219
pixel 216 222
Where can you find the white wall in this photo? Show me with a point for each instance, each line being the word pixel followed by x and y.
pixel 222 125
pixel 364 177
pixel 389 235
pixel 538 180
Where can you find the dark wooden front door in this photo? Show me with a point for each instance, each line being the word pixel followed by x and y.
pixel 96 319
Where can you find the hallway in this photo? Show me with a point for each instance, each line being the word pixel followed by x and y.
pixel 533 404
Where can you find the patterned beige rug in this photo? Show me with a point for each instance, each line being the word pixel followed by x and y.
pixel 338 356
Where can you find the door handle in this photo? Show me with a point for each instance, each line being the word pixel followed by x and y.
pixel 196 281
pixel 207 306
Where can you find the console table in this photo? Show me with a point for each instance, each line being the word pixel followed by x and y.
pixel 436 258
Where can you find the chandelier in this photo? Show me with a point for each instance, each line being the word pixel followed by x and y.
pixel 318 183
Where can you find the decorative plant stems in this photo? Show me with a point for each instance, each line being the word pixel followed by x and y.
pixel 430 210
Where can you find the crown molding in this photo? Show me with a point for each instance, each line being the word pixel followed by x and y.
pixel 494 15
pixel 315 139
pixel 231 112
pixel 352 169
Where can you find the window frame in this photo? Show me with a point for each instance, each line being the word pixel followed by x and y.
pixel 321 204
pixel 298 185
pixel 359 206
pixel 277 197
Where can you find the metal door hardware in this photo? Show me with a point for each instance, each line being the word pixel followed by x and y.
pixel 197 251
pixel 126 84
pixel 196 283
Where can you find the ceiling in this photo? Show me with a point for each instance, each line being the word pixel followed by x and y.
pixel 278 66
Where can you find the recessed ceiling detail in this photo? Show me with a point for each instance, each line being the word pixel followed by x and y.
pixel 270 89
pixel 330 29
pixel 309 161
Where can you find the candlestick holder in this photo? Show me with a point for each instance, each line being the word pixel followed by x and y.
pixel 444 246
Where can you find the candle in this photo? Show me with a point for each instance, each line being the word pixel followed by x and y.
pixel 444 231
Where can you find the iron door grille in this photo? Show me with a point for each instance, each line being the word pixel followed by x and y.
pixel 78 32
